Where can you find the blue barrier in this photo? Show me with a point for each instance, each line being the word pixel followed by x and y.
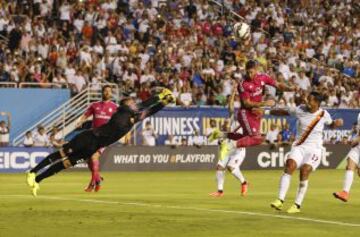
pixel 28 106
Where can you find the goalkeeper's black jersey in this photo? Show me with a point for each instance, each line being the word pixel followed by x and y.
pixel 119 125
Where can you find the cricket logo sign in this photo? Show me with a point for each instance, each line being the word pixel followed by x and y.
pixel 263 157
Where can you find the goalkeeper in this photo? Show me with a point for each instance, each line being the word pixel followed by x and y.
pixel 89 141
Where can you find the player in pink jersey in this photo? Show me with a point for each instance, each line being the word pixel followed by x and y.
pixel 101 112
pixel 251 92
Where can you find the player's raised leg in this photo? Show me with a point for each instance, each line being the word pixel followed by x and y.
pixel 352 164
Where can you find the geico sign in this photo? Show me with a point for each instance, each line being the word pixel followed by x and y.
pixel 20 160
pixel 275 159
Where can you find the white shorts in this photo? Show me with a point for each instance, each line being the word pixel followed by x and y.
pixel 305 154
pixel 233 159
pixel 354 155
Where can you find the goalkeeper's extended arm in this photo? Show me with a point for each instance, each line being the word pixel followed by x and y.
pixel 150 106
pixel 149 102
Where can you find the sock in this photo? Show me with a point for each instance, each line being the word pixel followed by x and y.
pixel 90 167
pixel 238 175
pixel 303 185
pixel 220 177
pixel 284 185
pixel 348 179
pixel 89 163
pixel 95 168
pixel 53 169
pixel 46 161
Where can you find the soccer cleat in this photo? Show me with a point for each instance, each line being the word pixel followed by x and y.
pixel 98 184
pixel 277 204
pixel 293 209
pixel 89 188
pixel 97 187
pixel 217 194
pixel 343 196
pixel 244 188
pixel 34 189
pixel 30 179
pixel 216 134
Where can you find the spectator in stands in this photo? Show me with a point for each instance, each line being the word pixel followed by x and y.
pixel 41 139
pixel 198 140
pixel 332 100
pixel 272 136
pixel 4 75
pixel 5 129
pixel 149 135
pixel 122 41
pixel 56 140
pixel 286 137
pixel 28 140
pixel 185 96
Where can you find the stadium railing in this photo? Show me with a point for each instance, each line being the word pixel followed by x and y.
pixel 42 85
pixel 65 116
pixel 8 85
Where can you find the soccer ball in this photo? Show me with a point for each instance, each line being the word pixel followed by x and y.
pixel 242 31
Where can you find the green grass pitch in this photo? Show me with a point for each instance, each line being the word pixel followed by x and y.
pixel 173 204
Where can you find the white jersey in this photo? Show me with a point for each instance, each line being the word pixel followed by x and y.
pixel 310 126
pixel 4 135
pixel 358 122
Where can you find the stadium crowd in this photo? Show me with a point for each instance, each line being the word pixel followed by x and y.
pixel 185 44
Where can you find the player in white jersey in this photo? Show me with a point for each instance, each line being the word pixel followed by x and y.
pixel 230 157
pixel 306 151
pixel 353 163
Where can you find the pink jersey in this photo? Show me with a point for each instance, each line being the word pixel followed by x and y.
pixel 253 89
pixel 101 112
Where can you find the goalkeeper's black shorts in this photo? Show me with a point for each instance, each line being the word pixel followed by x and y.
pixel 81 147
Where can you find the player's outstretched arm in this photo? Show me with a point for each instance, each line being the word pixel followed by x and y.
pixel 231 102
pixel 336 123
pixel 278 112
pixel 250 104
pixel 355 142
pixel 283 87
pixel 154 99
pixel 156 103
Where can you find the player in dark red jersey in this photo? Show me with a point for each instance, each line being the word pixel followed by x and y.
pixel 249 116
pixel 251 92
pixel 101 112
pixel 85 144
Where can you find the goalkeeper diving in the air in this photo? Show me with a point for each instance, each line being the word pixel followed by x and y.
pixel 89 141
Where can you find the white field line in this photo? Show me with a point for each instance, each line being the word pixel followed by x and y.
pixel 140 204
